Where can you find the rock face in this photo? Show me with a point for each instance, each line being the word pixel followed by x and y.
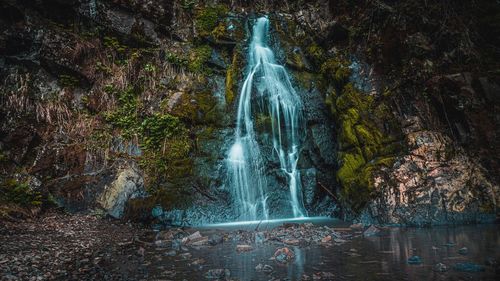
pixel 128 184
pixel 434 184
pixel 104 100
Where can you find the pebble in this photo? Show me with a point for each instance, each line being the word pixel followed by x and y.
pixel 463 251
pixel 414 260
pixel 218 273
pixel 468 267
pixel 284 255
pixel 440 267
pixel 244 248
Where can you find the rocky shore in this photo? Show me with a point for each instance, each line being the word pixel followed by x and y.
pixel 87 247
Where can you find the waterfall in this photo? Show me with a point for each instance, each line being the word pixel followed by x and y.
pixel 268 86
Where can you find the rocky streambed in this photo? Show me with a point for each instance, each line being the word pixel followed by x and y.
pixel 64 247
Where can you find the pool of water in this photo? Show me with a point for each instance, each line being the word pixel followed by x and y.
pixel 381 257
pixel 269 224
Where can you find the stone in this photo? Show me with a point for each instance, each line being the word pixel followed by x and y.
pixel 128 184
pixel 468 267
pixel 191 237
pixel 199 241
pixel 440 267
pixel 371 231
pixel 171 253
pixel 284 255
pixel 356 226
pixel 463 251
pixel 186 256
pixel 264 268
pixel 260 237
pixel 415 260
pixel 218 273
pixel 326 239
pixel 244 248
pixel 161 243
pixel 215 239
pixel 294 242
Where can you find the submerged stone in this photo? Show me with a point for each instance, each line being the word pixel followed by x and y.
pixel 218 273
pixel 244 248
pixel 415 260
pixel 440 267
pixel 468 267
pixel 371 231
pixel 463 251
pixel 284 255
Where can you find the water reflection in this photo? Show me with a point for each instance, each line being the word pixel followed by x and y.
pixel 382 257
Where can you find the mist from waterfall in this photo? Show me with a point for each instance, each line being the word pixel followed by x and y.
pixel 268 89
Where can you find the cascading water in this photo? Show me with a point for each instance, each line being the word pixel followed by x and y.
pixel 269 84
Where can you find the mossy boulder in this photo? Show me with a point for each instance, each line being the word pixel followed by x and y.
pixel 364 145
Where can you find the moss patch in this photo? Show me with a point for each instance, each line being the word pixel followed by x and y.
pixel 207 19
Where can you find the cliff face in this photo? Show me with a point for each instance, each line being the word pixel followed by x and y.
pixel 128 105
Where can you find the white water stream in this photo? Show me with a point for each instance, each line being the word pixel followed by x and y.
pixel 268 85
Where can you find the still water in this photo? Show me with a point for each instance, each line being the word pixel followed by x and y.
pixel 381 257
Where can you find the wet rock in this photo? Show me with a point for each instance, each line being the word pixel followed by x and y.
pixel 468 267
pixel 141 251
pixel 326 239
pixel 491 262
pixel 161 243
pixel 356 226
pixel 294 242
pixel 186 256
pixel 128 184
pixel 414 260
pixel 463 251
pixel 440 267
pixel 171 253
pixel 191 237
pixel 371 231
pixel 284 255
pixel 260 237
pixel 199 241
pixel 244 248
pixel 215 239
pixel 218 274
pixel 198 262
pixel 264 268
pixel 176 244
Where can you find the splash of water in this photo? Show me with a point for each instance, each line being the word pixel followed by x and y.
pixel 267 84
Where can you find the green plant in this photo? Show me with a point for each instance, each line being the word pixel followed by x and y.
pixel 149 67
pixel 125 116
pixel 13 191
pixel 68 81
pixel 199 56
pixel 207 19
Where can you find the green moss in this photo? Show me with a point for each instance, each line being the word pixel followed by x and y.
pixel 207 19
pixel 336 70
pixel 125 116
pixel 199 56
pixel 316 53
pixel 232 75
pixel 159 129
pixel 13 191
pixel 176 59
pixel 68 81
pixel 365 149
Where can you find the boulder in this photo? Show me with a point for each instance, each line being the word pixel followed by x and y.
pixel 127 184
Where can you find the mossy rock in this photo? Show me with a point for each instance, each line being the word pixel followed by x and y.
pixel 233 76
pixel 207 19
pixel 336 70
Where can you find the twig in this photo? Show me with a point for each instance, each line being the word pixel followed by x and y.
pixel 327 190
